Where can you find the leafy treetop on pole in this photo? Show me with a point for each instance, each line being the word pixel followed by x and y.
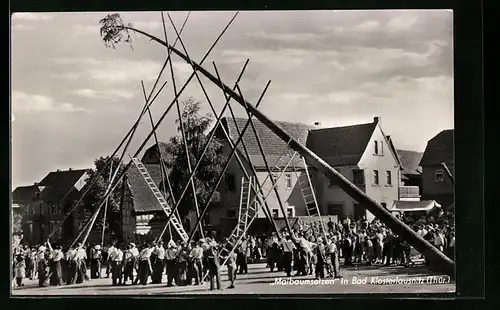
pixel 113 31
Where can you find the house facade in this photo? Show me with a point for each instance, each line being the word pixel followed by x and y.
pixel 436 184
pixel 44 204
pixel 287 187
pixel 361 153
pixel 142 214
pixel 411 175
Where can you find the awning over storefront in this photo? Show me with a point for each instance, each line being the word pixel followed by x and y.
pixel 413 206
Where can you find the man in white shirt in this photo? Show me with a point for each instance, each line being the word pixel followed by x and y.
pixel 108 263
pixel 116 260
pixel 145 268
pixel 159 263
pixel 196 255
pixel 438 240
pixel 81 256
pixel 288 247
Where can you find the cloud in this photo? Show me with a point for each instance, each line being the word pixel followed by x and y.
pixel 82 29
pixel 281 60
pixel 115 71
pixel 401 23
pixel 66 76
pixel 107 94
pixel 285 36
pixel 32 16
pixel 149 25
pixel 22 27
pixel 367 26
pixel 23 102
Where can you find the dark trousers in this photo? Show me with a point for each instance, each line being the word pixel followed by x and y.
pixel 143 272
pixel 303 263
pixel 348 255
pixel 243 263
pixel 108 268
pixel 95 269
pixel 157 275
pixel 320 269
pixel 198 271
pixel 116 272
pixel 128 272
pixel 182 273
pixel 336 264
pixel 287 263
pixel 19 281
pixel 55 273
pixel 171 271
pixel 73 270
pixel 42 273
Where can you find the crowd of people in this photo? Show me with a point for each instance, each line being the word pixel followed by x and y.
pixel 310 250
pixel 307 251
pixel 184 264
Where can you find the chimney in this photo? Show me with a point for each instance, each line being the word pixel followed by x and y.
pixel 377 119
pixel 69 169
pixel 35 183
pixel 58 170
pixel 317 125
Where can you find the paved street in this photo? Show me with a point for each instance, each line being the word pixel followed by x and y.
pixel 372 279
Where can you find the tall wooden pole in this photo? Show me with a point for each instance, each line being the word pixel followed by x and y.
pixel 436 257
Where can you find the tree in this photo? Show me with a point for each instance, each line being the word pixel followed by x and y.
pixel 96 194
pixel 17 224
pixel 195 127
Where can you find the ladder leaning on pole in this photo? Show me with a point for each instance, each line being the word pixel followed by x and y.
pixel 248 208
pixel 157 193
pixel 245 196
pixel 234 239
pixel 307 191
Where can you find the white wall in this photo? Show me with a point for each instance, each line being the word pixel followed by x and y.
pixel 327 194
pixel 386 161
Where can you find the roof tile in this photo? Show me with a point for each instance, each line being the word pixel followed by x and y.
pixel 59 183
pixel 410 160
pixel 439 149
pixel 143 198
pixel 341 146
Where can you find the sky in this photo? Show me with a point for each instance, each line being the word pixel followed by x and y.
pixel 73 99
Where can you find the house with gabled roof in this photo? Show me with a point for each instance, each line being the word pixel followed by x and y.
pixel 43 204
pixel 436 184
pixel 362 153
pixel 142 214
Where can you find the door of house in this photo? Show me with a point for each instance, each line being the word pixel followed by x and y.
pixel 359 211
pixel 335 209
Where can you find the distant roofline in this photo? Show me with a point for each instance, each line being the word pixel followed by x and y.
pixel 337 127
pixel 401 150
